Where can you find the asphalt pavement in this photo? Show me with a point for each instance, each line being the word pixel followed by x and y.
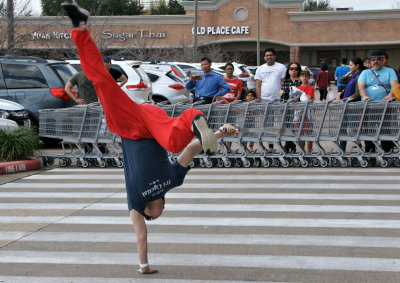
pixel 225 225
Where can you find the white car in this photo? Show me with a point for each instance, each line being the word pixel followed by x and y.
pixel 138 87
pixel 9 125
pixel 168 87
pixel 166 66
pixel 14 113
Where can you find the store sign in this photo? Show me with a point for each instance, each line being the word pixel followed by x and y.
pixel 106 34
pixel 235 30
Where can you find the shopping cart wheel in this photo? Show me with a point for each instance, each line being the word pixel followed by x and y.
pixel 304 163
pixel 120 163
pixel 85 164
pixel 102 163
pixel 44 161
pixel 285 163
pixel 246 163
pixel 296 162
pixel 335 162
pixel 364 163
pixel 275 162
pixel 220 163
pixel 191 164
pixel 69 161
pixel 256 162
pixel 62 162
pixel 50 160
pixel 397 162
pixel 315 162
pixel 228 164
pixel 344 163
pixel 384 163
pixel 238 163
pixel 202 163
pixel 266 162
pixel 325 162
pixel 355 162
pixel 209 164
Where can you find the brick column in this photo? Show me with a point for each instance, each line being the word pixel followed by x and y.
pixel 294 54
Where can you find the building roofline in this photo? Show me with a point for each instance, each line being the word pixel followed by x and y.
pixel 323 16
pixel 213 5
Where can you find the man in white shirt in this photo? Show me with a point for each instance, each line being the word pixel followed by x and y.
pixel 269 77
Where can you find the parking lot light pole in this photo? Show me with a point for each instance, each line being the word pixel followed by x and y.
pixel 195 30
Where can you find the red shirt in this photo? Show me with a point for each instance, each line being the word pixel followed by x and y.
pixel 235 85
pixel 309 90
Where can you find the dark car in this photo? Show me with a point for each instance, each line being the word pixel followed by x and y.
pixel 35 83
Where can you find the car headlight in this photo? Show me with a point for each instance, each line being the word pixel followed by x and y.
pixel 4 114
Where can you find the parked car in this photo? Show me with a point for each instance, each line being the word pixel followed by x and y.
pixel 6 124
pixel 252 69
pixel 35 83
pixel 138 87
pixel 14 112
pixel 167 66
pixel 241 72
pixel 168 87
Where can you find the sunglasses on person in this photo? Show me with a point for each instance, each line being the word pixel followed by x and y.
pixel 293 69
pixel 375 58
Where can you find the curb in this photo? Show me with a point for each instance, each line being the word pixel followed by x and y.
pixel 19 166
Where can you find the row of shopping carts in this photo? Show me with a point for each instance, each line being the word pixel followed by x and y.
pixel 265 128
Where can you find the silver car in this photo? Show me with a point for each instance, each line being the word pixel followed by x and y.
pixel 13 114
pixel 168 87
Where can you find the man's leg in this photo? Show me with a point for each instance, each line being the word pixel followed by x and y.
pixel 129 119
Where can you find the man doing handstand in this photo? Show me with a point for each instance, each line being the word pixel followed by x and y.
pixel 147 133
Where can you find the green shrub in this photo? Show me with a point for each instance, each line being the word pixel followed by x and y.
pixel 18 144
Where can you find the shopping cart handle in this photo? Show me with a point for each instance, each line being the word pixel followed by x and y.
pixel 224 130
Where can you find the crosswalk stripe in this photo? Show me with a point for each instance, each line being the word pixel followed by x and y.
pixel 267 185
pixel 220 239
pixel 173 195
pixel 212 221
pixel 208 207
pixel 249 261
pixel 224 177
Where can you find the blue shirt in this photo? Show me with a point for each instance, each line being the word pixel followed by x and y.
pixel 209 85
pixel 340 72
pixel 148 173
pixel 372 87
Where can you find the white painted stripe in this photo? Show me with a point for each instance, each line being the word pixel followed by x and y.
pixel 249 261
pixel 224 177
pixel 267 185
pixel 173 195
pixel 213 221
pixel 207 207
pixel 21 279
pixel 244 170
pixel 220 239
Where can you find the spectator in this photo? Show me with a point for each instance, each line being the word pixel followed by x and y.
pixel 377 83
pixel 367 63
pixel 292 78
pixel 323 81
pixel 386 64
pixel 208 84
pixel 269 77
pixel 340 72
pixel 87 94
pixel 250 96
pixel 351 80
pixel 234 83
pixel 352 92
pixel 309 91
pixel 114 73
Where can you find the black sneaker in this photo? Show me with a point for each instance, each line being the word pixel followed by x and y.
pixel 206 136
pixel 77 14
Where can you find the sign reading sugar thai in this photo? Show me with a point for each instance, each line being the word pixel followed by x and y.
pixel 224 30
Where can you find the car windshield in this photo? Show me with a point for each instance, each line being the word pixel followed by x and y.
pixel 171 75
pixel 64 71
pixel 142 74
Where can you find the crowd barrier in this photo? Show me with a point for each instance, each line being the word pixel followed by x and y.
pixel 336 130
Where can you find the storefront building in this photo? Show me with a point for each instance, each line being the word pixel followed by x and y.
pixel 232 25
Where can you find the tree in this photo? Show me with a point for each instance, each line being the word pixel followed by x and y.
pixel 162 8
pixel 96 7
pixel 317 5
pixel 175 8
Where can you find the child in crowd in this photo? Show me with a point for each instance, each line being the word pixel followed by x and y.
pixel 250 96
pixel 309 91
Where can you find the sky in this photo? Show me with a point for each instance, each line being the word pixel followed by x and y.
pixel 356 4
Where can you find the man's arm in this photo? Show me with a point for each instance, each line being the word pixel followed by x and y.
pixel 363 93
pixel 258 90
pixel 68 89
pixel 225 88
pixel 123 79
pixel 392 85
pixel 141 236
